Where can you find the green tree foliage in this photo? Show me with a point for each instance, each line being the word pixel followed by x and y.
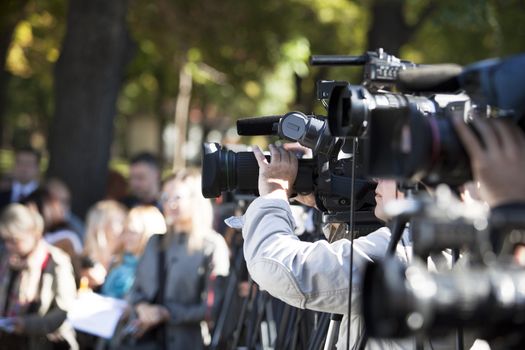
pixel 245 57
pixel 33 50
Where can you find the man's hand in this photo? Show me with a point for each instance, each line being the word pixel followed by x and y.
pixel 276 177
pixel 498 161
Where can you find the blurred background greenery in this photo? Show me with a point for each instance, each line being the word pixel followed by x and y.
pixel 91 82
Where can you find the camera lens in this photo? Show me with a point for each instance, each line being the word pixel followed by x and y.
pixel 225 170
pixel 407 143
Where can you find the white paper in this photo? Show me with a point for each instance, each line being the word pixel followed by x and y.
pixel 96 314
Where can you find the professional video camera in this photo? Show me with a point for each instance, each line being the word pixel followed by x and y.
pixel 327 174
pixel 409 135
pixel 483 294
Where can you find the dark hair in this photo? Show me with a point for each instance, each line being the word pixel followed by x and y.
pixel 29 149
pixel 38 197
pixel 147 158
pixel 41 198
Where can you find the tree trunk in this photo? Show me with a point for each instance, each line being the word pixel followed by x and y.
pixel 389 28
pixel 88 77
pixel 11 12
pixel 182 110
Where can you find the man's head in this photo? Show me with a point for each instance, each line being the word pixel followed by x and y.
pixel 27 165
pixel 144 177
pixel 386 191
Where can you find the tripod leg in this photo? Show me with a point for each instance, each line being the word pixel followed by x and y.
pixel 246 305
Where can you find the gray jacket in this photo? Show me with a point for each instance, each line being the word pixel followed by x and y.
pixel 313 276
pixel 189 277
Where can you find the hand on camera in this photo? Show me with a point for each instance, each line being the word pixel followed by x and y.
pixel 497 161
pixel 276 177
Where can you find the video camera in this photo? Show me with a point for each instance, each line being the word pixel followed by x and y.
pixel 409 134
pixel 484 293
pixel 327 174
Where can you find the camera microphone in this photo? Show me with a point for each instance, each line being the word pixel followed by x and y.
pixel 430 78
pixel 258 126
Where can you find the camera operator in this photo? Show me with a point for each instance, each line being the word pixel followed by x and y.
pixel 307 275
pixel 316 275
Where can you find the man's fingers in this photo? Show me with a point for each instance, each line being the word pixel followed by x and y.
pixel 511 136
pixel 489 135
pixel 294 160
pixel 274 153
pixel 468 138
pixel 259 156
pixel 298 149
pixel 285 155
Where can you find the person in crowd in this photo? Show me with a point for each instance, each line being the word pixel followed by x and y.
pixel 116 186
pixel 37 285
pixel 180 270
pixel 103 243
pixel 142 222
pixel 316 275
pixel 58 189
pixel 25 176
pixel 144 181
pixel 56 229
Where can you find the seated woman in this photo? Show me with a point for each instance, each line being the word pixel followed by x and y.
pixel 142 222
pixel 37 285
pixel 177 270
pixel 103 243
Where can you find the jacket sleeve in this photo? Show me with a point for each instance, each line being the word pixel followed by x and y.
pixel 64 287
pixel 307 275
pixel 217 269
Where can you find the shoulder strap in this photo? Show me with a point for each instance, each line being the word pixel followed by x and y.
pixel 161 281
pixel 161 270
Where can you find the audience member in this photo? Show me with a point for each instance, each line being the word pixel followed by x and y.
pixel 56 228
pixel 37 285
pixel 104 226
pixel 142 222
pixel 144 181
pixel 116 186
pixel 178 269
pixel 58 189
pixel 25 175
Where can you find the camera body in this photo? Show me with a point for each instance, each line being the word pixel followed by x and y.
pixel 327 174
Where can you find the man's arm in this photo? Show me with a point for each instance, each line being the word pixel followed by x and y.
pixel 306 275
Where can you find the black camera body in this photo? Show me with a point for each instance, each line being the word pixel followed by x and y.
pixel 409 134
pixel 327 174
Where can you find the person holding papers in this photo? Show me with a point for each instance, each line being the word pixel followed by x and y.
pixel 37 285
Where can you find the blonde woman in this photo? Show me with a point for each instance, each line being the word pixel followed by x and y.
pixel 170 295
pixel 142 222
pixel 37 285
pixel 104 226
